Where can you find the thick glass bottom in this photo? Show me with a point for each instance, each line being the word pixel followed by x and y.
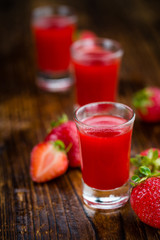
pixel 105 199
pixel 54 82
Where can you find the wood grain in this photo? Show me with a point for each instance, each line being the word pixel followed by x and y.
pixel 55 210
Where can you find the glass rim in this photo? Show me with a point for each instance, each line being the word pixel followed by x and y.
pixel 128 122
pixel 70 13
pixel 114 54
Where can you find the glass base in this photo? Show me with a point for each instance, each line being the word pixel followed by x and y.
pixel 105 199
pixel 54 82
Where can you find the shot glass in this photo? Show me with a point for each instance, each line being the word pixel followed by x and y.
pixel 53 28
pixel 105 130
pixel 95 67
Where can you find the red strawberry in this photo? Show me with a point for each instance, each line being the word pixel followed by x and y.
pixel 85 34
pixel 145 201
pixel 146 152
pixel 67 132
pixel 149 158
pixel 147 103
pixel 48 161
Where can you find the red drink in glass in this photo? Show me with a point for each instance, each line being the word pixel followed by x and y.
pixel 103 167
pixel 105 130
pixel 53 28
pixel 96 64
pixel 53 38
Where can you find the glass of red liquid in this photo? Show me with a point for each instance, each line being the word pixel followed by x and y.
pixel 105 130
pixel 53 28
pixel 95 65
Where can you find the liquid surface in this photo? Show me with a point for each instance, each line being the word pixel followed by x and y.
pixel 106 121
pixel 105 152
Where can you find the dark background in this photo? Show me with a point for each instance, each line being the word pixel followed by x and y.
pixel 130 22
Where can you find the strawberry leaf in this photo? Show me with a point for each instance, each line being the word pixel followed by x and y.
pixel 61 120
pixel 142 100
pixel 135 161
pixel 132 184
pixel 151 161
pixel 69 147
pixel 59 145
pixel 135 178
pixel 154 154
pixel 146 166
pixel 150 154
pixel 144 173
pixel 157 163
pixel 145 170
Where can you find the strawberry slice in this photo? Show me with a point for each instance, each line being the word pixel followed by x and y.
pixel 48 161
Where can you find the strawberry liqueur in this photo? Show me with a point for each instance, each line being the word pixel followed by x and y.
pixel 53 28
pixel 96 64
pixel 105 130
pixel 53 38
pixel 100 160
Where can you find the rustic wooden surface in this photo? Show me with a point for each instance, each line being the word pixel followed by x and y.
pixel 55 210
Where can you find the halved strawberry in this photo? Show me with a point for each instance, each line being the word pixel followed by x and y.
pixel 48 161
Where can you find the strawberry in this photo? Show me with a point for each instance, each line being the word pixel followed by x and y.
pixel 149 151
pixel 149 158
pixel 48 161
pixel 66 131
pixel 85 34
pixel 145 197
pixel 145 201
pixel 147 103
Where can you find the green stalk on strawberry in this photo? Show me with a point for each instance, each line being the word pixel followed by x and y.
pixel 48 161
pixel 147 104
pixel 145 195
pixel 66 131
pixel 59 150
pixel 149 158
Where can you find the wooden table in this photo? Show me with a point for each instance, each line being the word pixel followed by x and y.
pixel 55 210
